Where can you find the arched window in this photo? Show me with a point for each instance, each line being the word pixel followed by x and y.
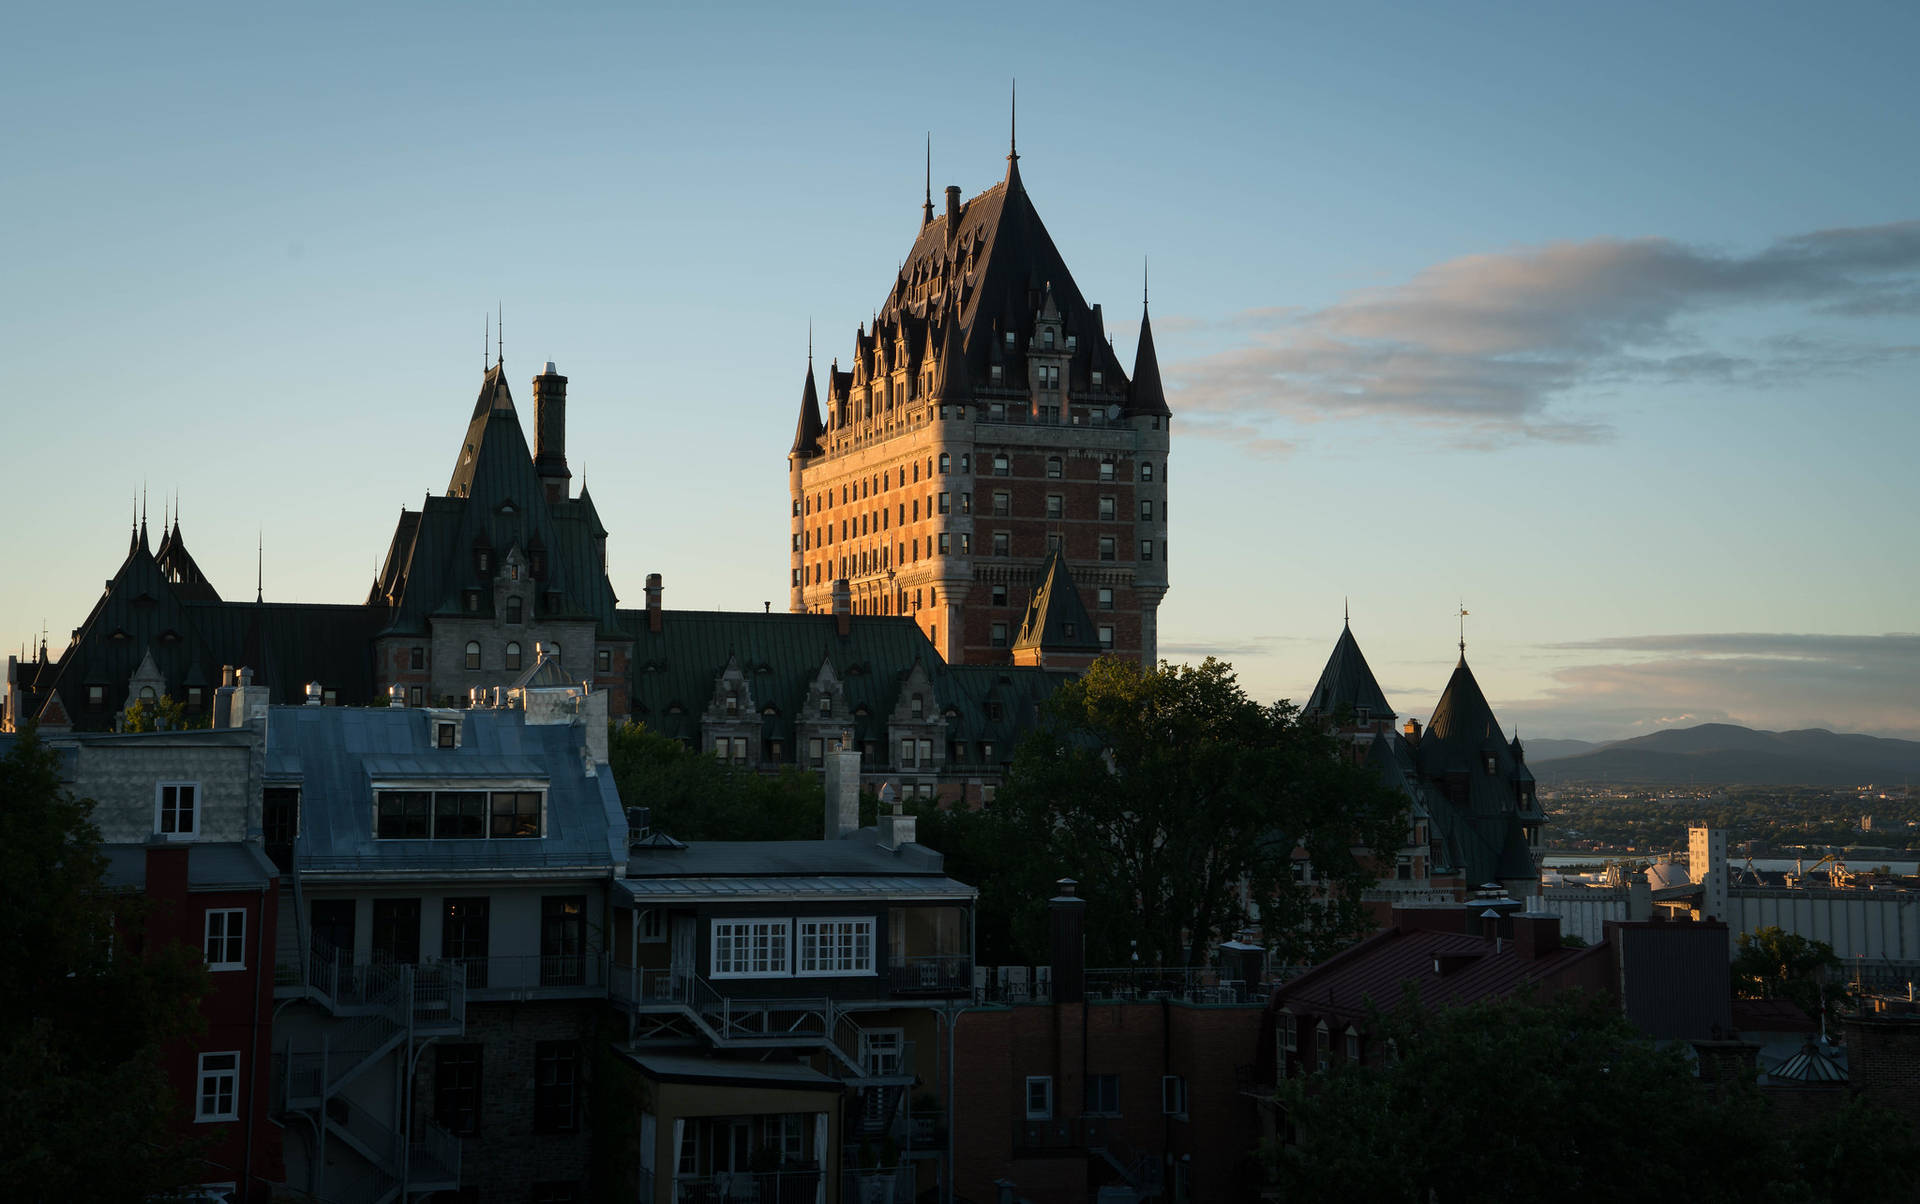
pixel 513 655
pixel 945 461
pixel 473 654
pixel 147 694
pixel 553 649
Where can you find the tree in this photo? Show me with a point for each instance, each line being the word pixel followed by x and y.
pixel 696 796
pixel 86 1111
pixel 1775 964
pixel 1520 1099
pixel 1177 803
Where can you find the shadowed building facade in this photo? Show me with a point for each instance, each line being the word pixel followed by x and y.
pixel 985 424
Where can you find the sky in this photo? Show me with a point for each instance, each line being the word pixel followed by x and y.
pixel 1599 321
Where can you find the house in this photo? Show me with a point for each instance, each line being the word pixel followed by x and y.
pixel 179 814
pixel 787 1009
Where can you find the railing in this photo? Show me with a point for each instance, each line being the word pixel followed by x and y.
pixel 936 974
pixel 890 1185
pixel 439 998
pixel 519 974
pixel 367 1133
pixel 632 986
pixel 1084 1132
pixel 749 1187
pixel 434 1160
pixel 929 1130
pixel 1194 985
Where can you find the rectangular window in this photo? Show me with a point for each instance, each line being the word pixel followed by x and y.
pixel 838 946
pixel 750 948
pixel 1002 502
pixel 416 658
pixel 219 1094
pixel 1039 1097
pixel 1106 509
pixel 999 595
pixel 1106 547
pixel 1173 1095
pixel 1002 543
pixel 396 931
pixel 464 936
pixel 1056 507
pixel 906 754
pixel 456 1088
pixel 556 1086
pixel 945 502
pixel 816 750
pixel 416 695
pixel 1146 549
pixel 653 925
pixel 516 814
pixel 1103 1094
pixel 999 635
pixel 226 942
pixel 966 503
pixel 96 696
pixel 563 940
pixel 1002 466
pixel 446 734
pixel 1146 510
pixel 402 814
pixel 603 660
pixel 1106 636
pixel 966 544
pixel 177 810
pixel 1106 597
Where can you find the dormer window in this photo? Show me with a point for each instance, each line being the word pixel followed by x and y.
pixel 482 560
pixel 916 706
pixel 1492 765
pixel 1046 338
pixel 515 608
pixel 826 705
pixel 1097 375
pixel 733 705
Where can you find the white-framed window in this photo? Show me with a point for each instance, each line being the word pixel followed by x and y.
pixel 1039 1097
pixel 176 810
pixel 1106 636
pixel 1173 1094
pixel 226 942
pixel 1353 1046
pixel 219 1094
pixel 751 948
pixel 842 945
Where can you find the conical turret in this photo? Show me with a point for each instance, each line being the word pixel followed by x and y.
pixel 806 434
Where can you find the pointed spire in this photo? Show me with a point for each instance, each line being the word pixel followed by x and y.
pixel 1463 631
pixel 1013 143
pixel 1147 395
pixel 486 344
pixel 807 432
pixel 1346 614
pixel 133 533
pixel 927 212
pixel 953 384
pixel 500 334
pixel 143 517
pixel 260 565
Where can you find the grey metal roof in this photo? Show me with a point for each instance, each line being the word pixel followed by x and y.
pixel 337 752
pixel 1347 681
pixel 851 886
pixel 231 865
pixel 720 1070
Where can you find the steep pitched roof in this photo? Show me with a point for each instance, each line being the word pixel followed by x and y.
pixel 1145 396
pixel 180 569
pixel 1056 618
pixel 806 435
pixel 1347 681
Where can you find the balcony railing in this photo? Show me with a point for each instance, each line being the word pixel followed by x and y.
pixel 517 975
pixel 937 974
pixel 749 1187
pixel 890 1185
pixel 1084 1132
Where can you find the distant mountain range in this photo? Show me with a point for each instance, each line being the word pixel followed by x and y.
pixel 1727 754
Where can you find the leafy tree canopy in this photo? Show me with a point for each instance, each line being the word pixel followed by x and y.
pixel 165 715
pixel 86 1111
pixel 1177 804
pixel 695 796
pixel 1518 1100
pixel 1775 964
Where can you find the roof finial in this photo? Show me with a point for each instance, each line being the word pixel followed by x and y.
pixel 1463 629
pixel 1143 282
pixel 260 565
pixel 809 344
pixel 1013 124
pixel 500 335
pixel 486 343
pixel 928 209
pixel 1346 613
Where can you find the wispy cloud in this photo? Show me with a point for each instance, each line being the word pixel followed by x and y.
pixel 1859 683
pixel 1488 344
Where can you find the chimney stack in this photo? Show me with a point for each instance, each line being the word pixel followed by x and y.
pixel 953 211
pixel 896 826
pixel 842 606
pixel 1413 732
pixel 842 782
pixel 396 695
pixel 550 433
pixel 1066 932
pixel 653 602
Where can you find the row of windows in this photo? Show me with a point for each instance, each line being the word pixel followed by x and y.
pixel 763 948
pixel 1103 1095
pixel 1103 597
pixel 459 1077
pixel 1000 465
pixel 860 564
pixel 458 814
pixel 997 634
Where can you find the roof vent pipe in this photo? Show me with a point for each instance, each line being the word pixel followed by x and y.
pixel 953 211
pixel 314 694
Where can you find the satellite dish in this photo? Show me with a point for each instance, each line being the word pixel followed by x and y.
pixel 1113 412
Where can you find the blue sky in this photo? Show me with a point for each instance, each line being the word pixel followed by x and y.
pixel 1602 318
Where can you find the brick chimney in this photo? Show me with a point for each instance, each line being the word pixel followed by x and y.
pixel 653 602
pixel 550 433
pixel 1066 935
pixel 1413 732
pixel 953 210
pixel 1536 933
pixel 842 606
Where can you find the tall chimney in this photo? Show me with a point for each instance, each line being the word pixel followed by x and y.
pixel 953 211
pixel 1413 732
pixel 653 602
pixel 1066 931
pixel 842 606
pixel 550 433
pixel 842 782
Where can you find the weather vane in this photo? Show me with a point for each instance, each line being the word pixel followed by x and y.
pixel 1463 627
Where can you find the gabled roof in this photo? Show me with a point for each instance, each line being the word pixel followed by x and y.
pixel 1376 972
pixel 178 565
pixel 1347 681
pixel 1056 618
